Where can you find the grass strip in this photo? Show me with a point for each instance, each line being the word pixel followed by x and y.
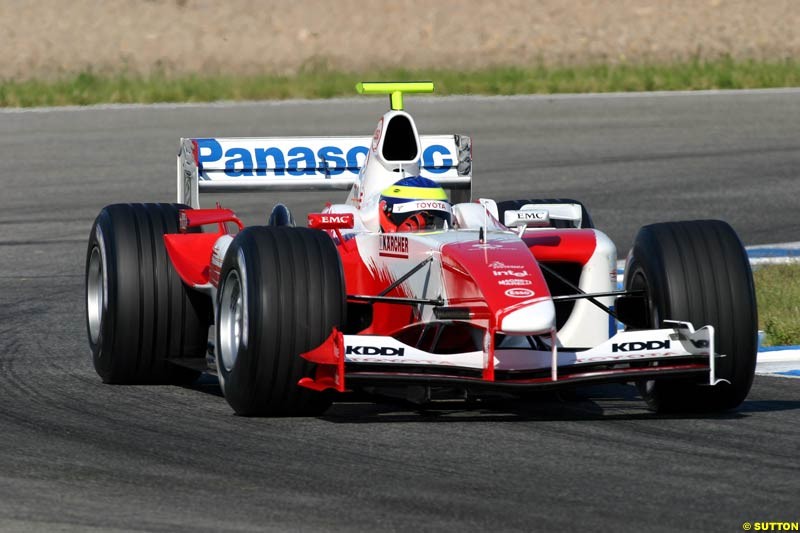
pixel 320 82
pixel 778 295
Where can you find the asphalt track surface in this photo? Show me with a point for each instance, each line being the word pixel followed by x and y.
pixel 79 455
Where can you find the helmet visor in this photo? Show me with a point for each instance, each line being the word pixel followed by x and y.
pixel 420 215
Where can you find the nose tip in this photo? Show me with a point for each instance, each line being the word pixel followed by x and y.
pixel 533 319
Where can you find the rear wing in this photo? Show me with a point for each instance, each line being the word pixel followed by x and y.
pixel 306 163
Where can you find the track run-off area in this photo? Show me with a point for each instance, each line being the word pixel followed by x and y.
pixel 77 455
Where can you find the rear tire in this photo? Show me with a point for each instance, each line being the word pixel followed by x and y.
pixel 281 294
pixel 586 220
pixel 139 313
pixel 698 272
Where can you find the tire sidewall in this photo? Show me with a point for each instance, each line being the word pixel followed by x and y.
pixel 102 352
pixel 235 260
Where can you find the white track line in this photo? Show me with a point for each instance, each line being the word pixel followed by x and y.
pixel 423 99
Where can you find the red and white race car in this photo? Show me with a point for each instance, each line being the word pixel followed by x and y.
pixel 406 285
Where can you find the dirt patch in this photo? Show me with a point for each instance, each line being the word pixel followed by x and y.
pixel 50 38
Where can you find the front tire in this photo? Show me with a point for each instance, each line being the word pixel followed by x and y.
pixel 698 272
pixel 281 294
pixel 139 313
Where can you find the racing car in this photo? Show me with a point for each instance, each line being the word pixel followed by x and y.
pixel 406 284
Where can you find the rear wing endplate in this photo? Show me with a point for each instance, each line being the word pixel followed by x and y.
pixel 304 163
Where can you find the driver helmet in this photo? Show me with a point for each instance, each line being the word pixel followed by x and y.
pixel 414 204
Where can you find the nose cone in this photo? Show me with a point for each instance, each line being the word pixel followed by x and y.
pixel 503 277
pixel 531 319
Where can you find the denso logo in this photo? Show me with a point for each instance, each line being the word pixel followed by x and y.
pixel 639 346
pixel 515 273
pixel 500 264
pixel 303 161
pixel 375 350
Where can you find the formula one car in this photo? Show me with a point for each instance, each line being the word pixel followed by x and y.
pixel 406 285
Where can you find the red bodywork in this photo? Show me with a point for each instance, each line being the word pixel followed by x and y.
pixel 191 252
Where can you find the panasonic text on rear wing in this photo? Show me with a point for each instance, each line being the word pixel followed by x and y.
pixel 303 163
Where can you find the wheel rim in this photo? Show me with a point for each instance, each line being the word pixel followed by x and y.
pixel 95 294
pixel 231 320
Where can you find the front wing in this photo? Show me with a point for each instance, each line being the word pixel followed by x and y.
pixel 679 351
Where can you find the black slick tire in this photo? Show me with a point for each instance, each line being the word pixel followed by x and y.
pixel 698 271
pixel 281 294
pixel 139 313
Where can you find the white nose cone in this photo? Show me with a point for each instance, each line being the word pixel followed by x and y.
pixel 530 320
